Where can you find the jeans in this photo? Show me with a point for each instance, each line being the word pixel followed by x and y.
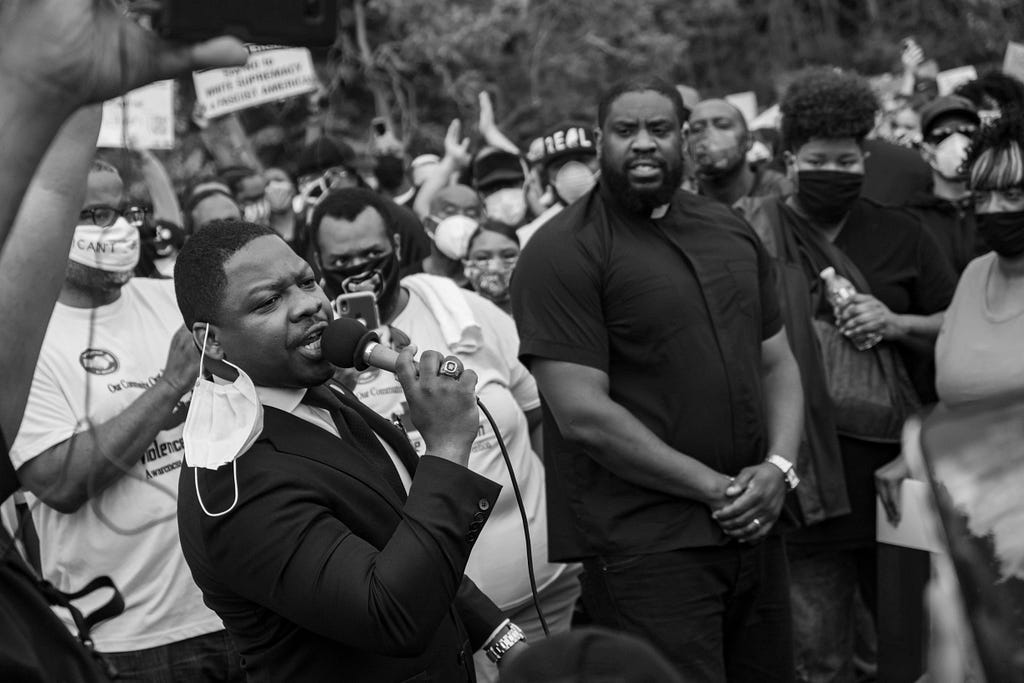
pixel 824 590
pixel 210 657
pixel 717 613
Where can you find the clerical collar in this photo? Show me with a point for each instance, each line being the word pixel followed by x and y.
pixel 660 211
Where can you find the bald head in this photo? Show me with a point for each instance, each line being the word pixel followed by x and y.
pixel 456 199
pixel 719 140
pixel 708 110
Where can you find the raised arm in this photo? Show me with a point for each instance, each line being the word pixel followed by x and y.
pixel 456 158
pixel 161 189
pixel 33 261
pixel 56 56
pixel 488 127
pixel 67 475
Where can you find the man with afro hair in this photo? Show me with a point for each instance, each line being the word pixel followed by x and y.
pixel 905 285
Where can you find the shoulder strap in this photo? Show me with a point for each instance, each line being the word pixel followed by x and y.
pixel 56 598
pixel 846 266
pixel 826 249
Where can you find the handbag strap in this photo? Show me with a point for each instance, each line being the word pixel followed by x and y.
pixel 835 256
pixel 57 598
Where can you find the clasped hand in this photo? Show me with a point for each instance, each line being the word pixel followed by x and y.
pixel 751 503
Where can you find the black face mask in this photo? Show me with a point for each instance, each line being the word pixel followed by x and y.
pixel 1003 232
pixel 827 196
pixel 378 275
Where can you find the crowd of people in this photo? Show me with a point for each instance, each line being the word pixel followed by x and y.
pixel 687 422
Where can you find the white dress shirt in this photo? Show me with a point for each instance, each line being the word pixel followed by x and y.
pixel 290 401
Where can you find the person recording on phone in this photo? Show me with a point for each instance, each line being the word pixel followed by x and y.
pixel 329 549
pixel 356 250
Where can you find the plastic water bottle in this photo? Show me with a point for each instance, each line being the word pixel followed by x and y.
pixel 839 291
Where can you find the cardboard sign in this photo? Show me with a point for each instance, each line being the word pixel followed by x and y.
pixel 746 102
pixel 269 75
pixel 1013 61
pixel 150 118
pixel 918 527
pixel 769 118
pixel 690 95
pixel 950 79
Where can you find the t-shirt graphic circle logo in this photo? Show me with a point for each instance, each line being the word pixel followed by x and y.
pixel 368 375
pixel 98 361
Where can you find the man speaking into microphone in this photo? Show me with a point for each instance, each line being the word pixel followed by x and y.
pixel 328 548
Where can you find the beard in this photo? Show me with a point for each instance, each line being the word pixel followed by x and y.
pixel 721 176
pixel 642 200
pixel 93 279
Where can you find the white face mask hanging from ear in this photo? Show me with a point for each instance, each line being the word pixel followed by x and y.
pixel 223 421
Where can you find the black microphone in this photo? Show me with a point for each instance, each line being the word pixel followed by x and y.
pixel 347 343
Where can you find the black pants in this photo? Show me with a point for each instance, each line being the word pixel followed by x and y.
pixel 718 613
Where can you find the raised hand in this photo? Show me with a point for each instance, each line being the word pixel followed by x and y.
pixel 456 148
pixel 80 51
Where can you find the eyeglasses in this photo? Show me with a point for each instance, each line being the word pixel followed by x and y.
pixel 937 135
pixel 105 216
pixel 484 262
pixel 433 220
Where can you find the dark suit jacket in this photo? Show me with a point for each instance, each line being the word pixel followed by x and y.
pixel 322 572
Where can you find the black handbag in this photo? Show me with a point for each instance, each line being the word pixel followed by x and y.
pixel 872 395
pixel 36 645
pixel 871 391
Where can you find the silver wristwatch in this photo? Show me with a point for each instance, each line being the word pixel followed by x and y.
pixel 497 649
pixel 788 471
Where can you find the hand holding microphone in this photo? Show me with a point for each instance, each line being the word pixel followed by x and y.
pixel 442 404
pixel 442 398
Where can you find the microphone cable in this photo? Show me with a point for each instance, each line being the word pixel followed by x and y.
pixel 522 513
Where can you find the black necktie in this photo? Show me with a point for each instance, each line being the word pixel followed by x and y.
pixel 353 428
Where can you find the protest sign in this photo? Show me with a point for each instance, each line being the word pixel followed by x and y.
pixel 1013 61
pixel 150 118
pixel 769 118
pixel 950 79
pixel 746 102
pixel 690 95
pixel 268 76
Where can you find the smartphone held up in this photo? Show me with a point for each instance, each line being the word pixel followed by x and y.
pixel 296 23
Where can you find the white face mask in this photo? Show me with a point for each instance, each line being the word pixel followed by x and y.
pixel 507 206
pixel 949 156
pixel 452 235
pixel 223 421
pixel 257 211
pixel 758 152
pixel 279 195
pixel 114 249
pixel 573 180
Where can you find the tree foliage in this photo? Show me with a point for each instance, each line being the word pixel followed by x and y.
pixel 546 60
pixel 423 62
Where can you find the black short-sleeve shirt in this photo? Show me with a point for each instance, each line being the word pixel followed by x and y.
pixel 674 310
pixel 906 270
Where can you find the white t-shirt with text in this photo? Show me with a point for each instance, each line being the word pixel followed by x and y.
pixel 94 363
pixel 498 562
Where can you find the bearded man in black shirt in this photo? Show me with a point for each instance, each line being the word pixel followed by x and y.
pixel 672 402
